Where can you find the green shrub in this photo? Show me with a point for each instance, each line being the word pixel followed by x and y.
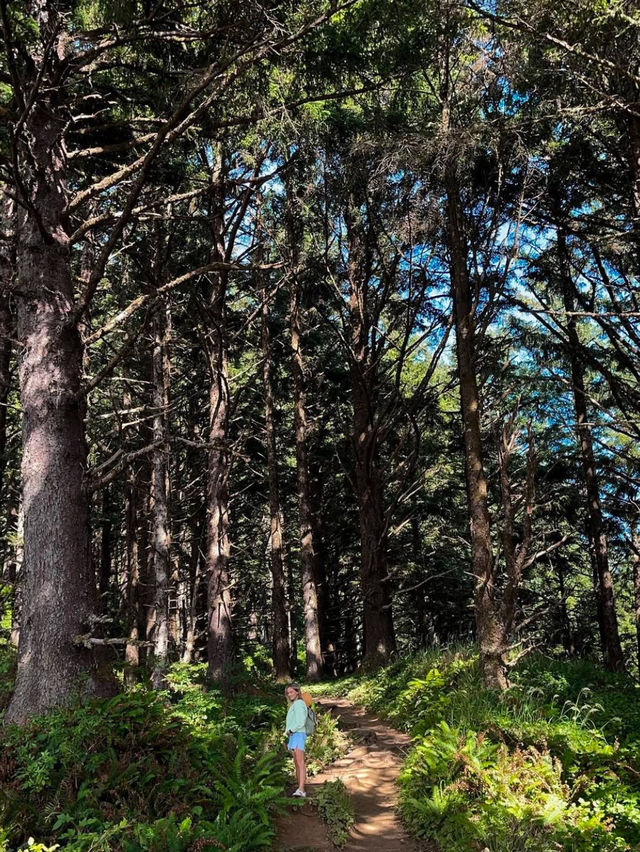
pixel 336 809
pixel 325 745
pixel 139 773
pixel 553 763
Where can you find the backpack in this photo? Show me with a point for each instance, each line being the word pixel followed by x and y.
pixel 311 721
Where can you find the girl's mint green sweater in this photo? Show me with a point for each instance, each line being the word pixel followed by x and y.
pixel 296 717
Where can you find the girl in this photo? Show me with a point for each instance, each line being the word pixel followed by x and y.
pixel 295 730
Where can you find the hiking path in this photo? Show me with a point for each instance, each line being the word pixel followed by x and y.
pixel 369 772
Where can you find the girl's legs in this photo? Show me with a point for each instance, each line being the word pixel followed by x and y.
pixel 301 770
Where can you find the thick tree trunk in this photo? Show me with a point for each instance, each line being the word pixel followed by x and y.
pixel 379 638
pixel 161 534
pixel 611 648
pixel 194 598
pixel 7 333
pixel 59 590
pixel 219 603
pixel 307 554
pixel 280 638
pixel 489 630
pixel 313 647
pixel 323 586
pixel 418 597
pixel 145 551
pixel 220 637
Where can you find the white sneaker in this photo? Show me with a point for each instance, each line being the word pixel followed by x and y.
pixel 300 793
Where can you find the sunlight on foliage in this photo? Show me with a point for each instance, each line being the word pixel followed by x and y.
pixel 554 763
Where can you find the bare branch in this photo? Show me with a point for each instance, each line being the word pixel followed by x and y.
pixel 145 298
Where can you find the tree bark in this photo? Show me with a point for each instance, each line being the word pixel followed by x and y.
pixel 104 574
pixel 7 320
pixel 323 586
pixel 159 505
pixel 568 642
pixel 59 589
pixel 633 128
pixel 219 603
pixel 489 632
pixel 195 575
pixel 136 623
pixel 313 646
pixel 608 622
pixel 291 613
pixel 635 558
pixel 379 637
pixel 280 638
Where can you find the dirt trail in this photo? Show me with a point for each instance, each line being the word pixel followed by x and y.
pixel 369 772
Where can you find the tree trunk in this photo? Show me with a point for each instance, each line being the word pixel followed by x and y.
pixel 220 636
pixel 145 551
pixel 59 590
pixel 489 631
pixel 159 506
pixel 104 575
pixel 220 644
pixel 379 638
pixel 323 586
pixel 568 642
pixel 195 574
pixel 7 320
pixel 633 128
pixel 422 628
pixel 313 646
pixel 611 648
pixel 291 614
pixel 135 616
pixel 635 558
pixel 280 637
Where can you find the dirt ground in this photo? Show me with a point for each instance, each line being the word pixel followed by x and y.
pixel 369 772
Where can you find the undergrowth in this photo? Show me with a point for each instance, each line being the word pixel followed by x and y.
pixel 151 772
pixel 552 764
pixel 336 809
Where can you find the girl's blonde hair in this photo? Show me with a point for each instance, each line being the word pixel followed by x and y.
pixel 295 686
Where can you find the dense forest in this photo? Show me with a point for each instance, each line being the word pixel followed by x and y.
pixel 318 342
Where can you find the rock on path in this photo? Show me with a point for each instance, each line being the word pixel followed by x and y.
pixel 369 772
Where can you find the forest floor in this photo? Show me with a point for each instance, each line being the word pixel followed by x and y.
pixel 369 772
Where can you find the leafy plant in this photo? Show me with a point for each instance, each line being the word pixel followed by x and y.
pixel 144 771
pixel 553 763
pixel 336 809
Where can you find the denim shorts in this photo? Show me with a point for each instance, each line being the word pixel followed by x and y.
pixel 297 740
